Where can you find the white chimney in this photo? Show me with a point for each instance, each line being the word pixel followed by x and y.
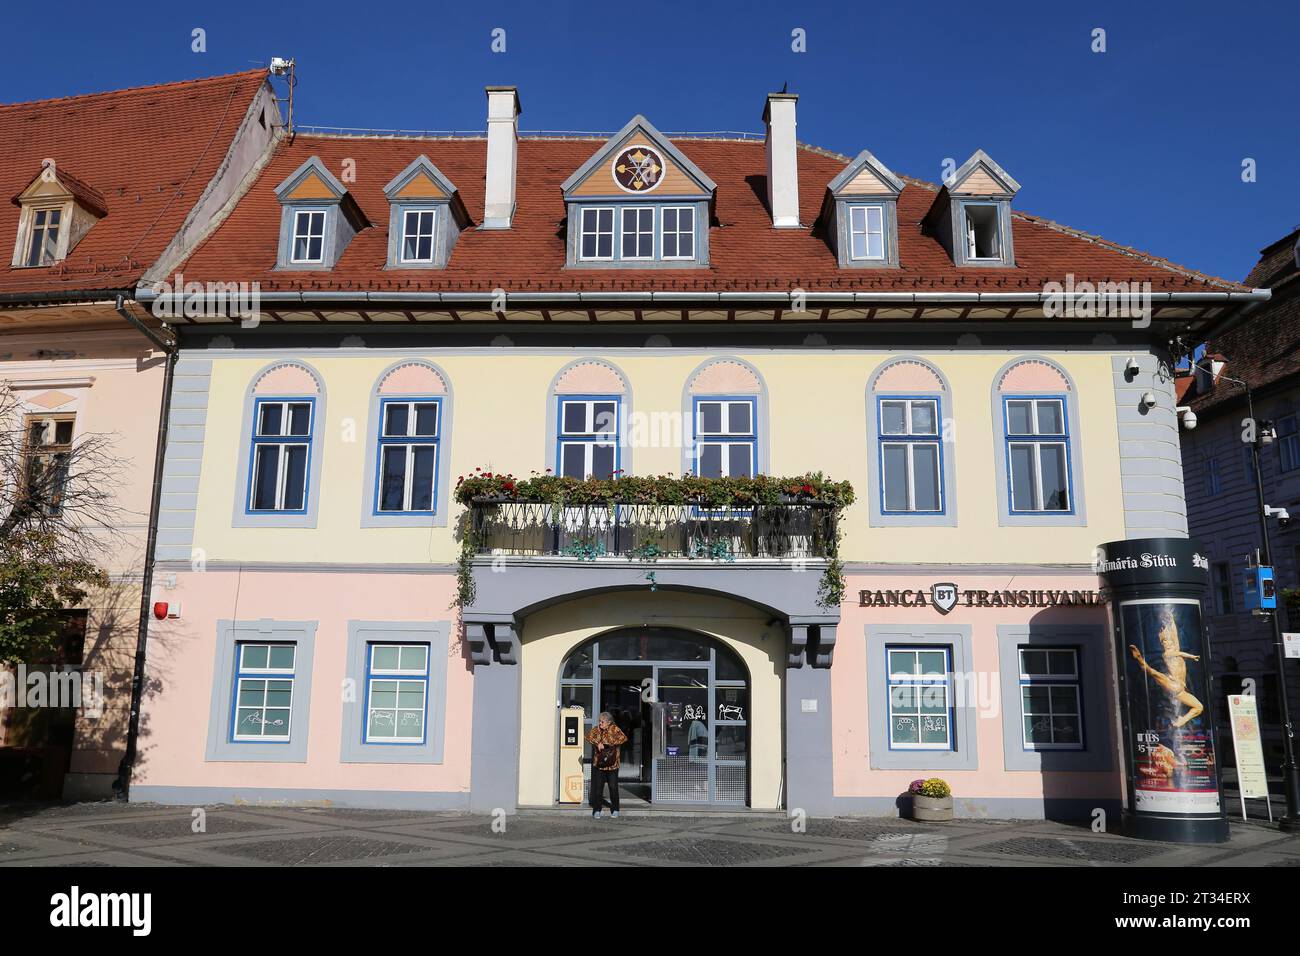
pixel 782 161
pixel 502 156
pixel 1208 371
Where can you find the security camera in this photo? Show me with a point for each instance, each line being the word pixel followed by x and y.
pixel 1281 514
pixel 1187 415
pixel 280 66
pixel 1148 399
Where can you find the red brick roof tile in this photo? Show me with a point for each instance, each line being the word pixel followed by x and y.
pixel 147 153
pixel 746 254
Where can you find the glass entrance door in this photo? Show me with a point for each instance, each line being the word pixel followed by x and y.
pixel 682 772
pixel 681 697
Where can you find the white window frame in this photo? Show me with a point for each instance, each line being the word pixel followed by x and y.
pixel 1019 439
pixel 309 235
pixel 589 438
pixel 259 441
pixel 919 683
pixel 431 234
pixel 397 675
pixel 725 437
pixel 385 441
pixel 909 440
pixel 969 237
pixel 1073 679
pixel 264 675
pixel 64 211
pixel 637 213
pixel 866 231
pixel 678 233
pixel 583 232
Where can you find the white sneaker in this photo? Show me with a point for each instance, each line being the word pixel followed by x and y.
pixel 595 815
pixel 614 814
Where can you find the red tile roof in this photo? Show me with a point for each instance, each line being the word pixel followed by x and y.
pixel 1264 350
pixel 146 153
pixel 745 253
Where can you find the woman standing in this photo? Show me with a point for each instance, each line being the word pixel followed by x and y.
pixel 606 740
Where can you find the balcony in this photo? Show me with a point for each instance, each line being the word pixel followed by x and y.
pixel 797 530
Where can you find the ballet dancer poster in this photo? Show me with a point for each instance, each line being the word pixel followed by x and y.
pixel 1168 691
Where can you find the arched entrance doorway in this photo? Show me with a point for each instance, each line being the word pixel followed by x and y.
pixel 681 697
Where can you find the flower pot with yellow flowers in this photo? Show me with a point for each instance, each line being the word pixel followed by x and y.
pixel 931 800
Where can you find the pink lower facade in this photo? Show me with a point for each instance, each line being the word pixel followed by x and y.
pixel 845 738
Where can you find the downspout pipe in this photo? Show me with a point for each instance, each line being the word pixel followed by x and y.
pixel 122 785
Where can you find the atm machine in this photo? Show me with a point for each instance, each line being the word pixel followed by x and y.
pixel 572 742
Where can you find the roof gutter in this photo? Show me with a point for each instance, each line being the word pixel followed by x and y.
pixel 121 786
pixel 795 297
pixel 1257 298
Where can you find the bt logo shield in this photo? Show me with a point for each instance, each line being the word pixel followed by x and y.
pixel 944 596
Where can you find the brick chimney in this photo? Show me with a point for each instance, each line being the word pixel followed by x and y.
pixel 782 160
pixel 502 157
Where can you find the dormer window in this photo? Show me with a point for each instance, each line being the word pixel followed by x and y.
pixel 983 232
pixel 971 215
pixel 308 236
pixel 57 211
pixel 638 232
pixel 860 214
pixel 45 237
pixel 597 233
pixel 638 203
pixel 318 218
pixel 426 216
pixel 417 236
pixel 679 232
pixel 867 232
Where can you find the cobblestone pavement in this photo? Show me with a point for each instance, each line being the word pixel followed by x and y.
pixel 115 834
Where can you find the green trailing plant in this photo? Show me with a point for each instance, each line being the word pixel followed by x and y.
pixel 585 549
pixel 560 491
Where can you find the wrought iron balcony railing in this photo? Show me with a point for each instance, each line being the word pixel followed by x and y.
pixel 648 532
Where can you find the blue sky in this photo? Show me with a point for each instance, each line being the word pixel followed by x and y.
pixel 1142 144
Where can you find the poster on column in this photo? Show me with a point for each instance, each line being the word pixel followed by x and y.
pixel 1168 690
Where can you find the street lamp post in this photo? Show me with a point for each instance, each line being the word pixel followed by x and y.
pixel 1290 770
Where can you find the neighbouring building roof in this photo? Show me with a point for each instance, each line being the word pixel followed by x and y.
pixel 142 157
pixel 1264 350
pixel 746 254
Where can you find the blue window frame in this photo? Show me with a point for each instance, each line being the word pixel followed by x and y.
pixel 1213 483
pixel 921 708
pixel 262 705
pixel 1051 698
pixel 587 435
pixel 910 454
pixel 280 458
pixel 406 462
pixel 1288 444
pixel 1037 437
pixel 725 436
pixel 397 694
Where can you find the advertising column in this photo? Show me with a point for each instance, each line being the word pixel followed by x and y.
pixel 1154 586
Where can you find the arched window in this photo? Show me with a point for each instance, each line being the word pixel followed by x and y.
pixel 280 474
pixel 911 474
pixel 589 403
pixel 407 458
pixel 1035 413
pixel 726 405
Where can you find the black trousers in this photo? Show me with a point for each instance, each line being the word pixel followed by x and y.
pixel 599 779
